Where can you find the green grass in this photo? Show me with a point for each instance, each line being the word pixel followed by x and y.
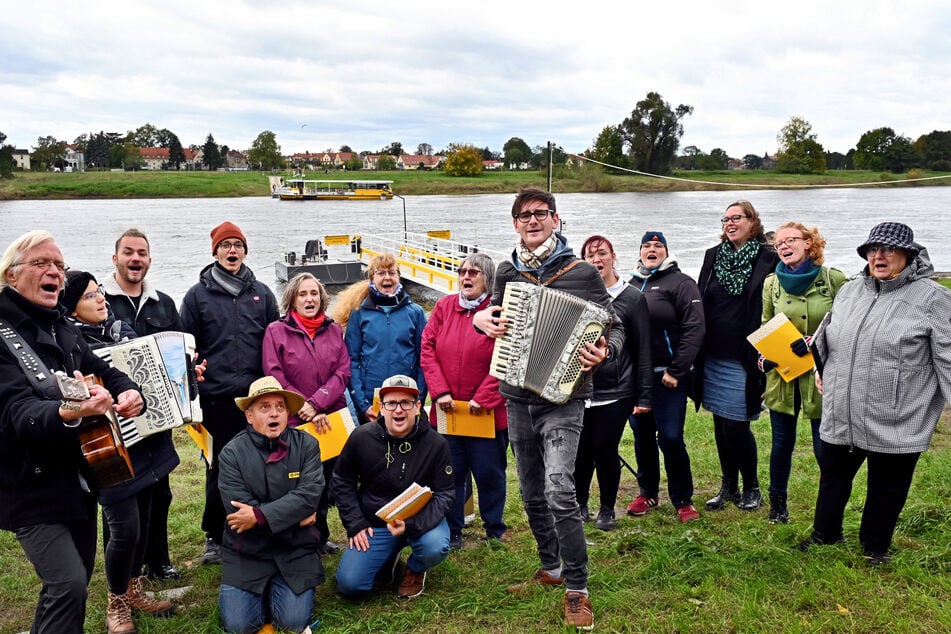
pixel 47 185
pixel 730 571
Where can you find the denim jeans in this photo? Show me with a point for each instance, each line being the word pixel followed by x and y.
pixel 244 612
pixel 544 438
pixel 663 427
pixel 486 460
pixel 597 451
pixel 358 569
pixel 784 442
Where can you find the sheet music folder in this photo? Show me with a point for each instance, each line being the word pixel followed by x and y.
pixel 773 340
pixel 406 504
pixel 332 442
pixel 462 423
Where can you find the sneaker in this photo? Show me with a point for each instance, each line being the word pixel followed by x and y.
pixel 142 602
pixel 212 554
pixel 642 505
pixel 605 521
pixel 168 572
pixel 688 513
pixel 578 612
pixel 412 584
pixel 455 541
pixel 541 578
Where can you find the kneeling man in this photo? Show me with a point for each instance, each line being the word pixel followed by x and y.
pixel 379 461
pixel 270 479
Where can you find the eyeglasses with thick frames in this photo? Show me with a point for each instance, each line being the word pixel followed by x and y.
pixel 885 250
pixel 43 264
pixel 469 272
pixel 539 214
pixel 237 245
pixel 406 405
pixel 734 218
pixel 789 242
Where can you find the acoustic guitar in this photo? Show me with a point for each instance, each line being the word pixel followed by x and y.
pixel 102 447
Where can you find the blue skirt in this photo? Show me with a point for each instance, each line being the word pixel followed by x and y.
pixel 724 388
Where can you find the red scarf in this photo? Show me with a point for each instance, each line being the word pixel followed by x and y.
pixel 310 326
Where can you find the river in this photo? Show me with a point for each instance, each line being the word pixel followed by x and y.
pixel 178 229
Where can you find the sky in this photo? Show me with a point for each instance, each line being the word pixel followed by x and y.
pixel 321 75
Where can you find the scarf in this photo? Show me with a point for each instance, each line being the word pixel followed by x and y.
pixel 232 284
pixel 308 325
pixel 733 267
pixel 534 259
pixel 796 280
pixel 382 299
pixel 471 304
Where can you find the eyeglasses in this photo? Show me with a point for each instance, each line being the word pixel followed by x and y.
pixel 44 263
pixel 469 272
pixel 227 246
pixel 734 218
pixel 386 273
pixel 99 292
pixel 872 249
pixel 539 214
pixel 403 405
pixel 789 242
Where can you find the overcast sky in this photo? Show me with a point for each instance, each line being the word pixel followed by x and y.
pixel 365 74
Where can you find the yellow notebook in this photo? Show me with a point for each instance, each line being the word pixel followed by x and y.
pixel 406 504
pixel 332 442
pixel 462 423
pixel 773 340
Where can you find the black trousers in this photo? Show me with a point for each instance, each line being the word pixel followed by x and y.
pixel 889 479
pixel 156 545
pixel 597 451
pixel 224 421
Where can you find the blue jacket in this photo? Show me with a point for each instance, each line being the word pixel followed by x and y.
pixel 383 341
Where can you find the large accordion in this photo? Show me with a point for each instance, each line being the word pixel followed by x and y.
pixel 161 364
pixel 540 350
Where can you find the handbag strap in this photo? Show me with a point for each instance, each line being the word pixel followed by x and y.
pixel 29 361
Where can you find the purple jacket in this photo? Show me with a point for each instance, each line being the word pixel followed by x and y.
pixel 319 369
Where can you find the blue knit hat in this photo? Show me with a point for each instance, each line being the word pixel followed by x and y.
pixel 891 234
pixel 654 236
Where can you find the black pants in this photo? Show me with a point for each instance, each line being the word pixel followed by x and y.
pixel 156 543
pixel 889 479
pixel 597 450
pixel 736 448
pixel 224 421
pixel 125 530
pixel 63 556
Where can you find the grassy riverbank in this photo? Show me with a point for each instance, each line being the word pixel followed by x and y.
pixel 731 571
pixel 92 185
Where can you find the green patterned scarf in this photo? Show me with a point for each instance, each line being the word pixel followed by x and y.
pixel 733 267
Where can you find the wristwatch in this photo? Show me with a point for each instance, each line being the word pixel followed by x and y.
pixel 72 406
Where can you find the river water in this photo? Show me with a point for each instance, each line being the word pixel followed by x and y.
pixel 178 229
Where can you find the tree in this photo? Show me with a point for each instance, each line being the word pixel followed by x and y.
pixel 265 153
pixel 690 159
pixel 355 163
pixel 463 160
pixel 608 148
pixel 837 161
pixel 163 137
pixel 753 162
pixel 717 159
pixel 144 136
pixel 6 158
pixel 652 133
pixel 799 151
pixel 211 154
pixel 935 149
pixel 386 162
pixel 394 149
pixel 425 149
pixel 345 148
pixel 902 156
pixel 176 154
pixel 871 148
pixel 516 152
pixel 48 152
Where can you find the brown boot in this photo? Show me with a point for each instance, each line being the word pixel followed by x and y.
pixel 142 602
pixel 119 615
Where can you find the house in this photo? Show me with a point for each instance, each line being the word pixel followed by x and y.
pixel 154 158
pixel 369 161
pixel 492 164
pixel 335 160
pixel 735 164
pixel 74 158
pixel 235 161
pixel 22 159
pixel 418 161
pixel 303 160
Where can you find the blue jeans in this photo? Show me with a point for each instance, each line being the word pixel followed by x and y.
pixel 358 569
pixel 485 459
pixel 663 426
pixel 545 439
pixel 784 441
pixel 245 612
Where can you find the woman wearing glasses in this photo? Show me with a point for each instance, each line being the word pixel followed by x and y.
pixel 730 386
pixel 802 288
pixel 383 332
pixel 885 376
pixel 455 360
pixel 126 506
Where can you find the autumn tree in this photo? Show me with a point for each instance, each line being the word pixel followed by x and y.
pixel 463 160
pixel 799 151
pixel 652 133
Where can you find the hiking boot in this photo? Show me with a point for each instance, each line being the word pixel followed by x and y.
pixel 142 602
pixel 688 513
pixel 642 505
pixel 168 572
pixel 212 554
pixel 541 578
pixel 578 612
pixel 605 521
pixel 778 513
pixel 119 615
pixel 752 499
pixel 412 584
pixel 728 492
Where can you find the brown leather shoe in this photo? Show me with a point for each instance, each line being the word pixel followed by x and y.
pixel 119 615
pixel 541 578
pixel 412 584
pixel 578 612
pixel 142 602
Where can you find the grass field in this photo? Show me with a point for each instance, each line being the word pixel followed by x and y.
pixel 48 185
pixel 729 572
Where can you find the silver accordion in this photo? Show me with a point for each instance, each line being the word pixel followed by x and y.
pixel 540 350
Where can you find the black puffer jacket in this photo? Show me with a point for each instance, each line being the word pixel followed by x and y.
pixel 629 372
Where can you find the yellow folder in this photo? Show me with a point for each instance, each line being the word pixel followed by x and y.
pixel 462 423
pixel 332 442
pixel 773 340
pixel 202 438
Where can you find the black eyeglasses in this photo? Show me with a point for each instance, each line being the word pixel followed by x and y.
pixel 539 214
pixel 886 250
pixel 403 405
pixel 734 218
pixel 227 246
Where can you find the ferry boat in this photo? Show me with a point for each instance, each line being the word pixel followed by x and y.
pixel 307 189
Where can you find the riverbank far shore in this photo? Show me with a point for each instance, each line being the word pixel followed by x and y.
pixel 144 184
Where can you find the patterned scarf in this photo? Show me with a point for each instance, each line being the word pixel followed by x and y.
pixel 733 267
pixel 232 284
pixel 471 304
pixel 534 259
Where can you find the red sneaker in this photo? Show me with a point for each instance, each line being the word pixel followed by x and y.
pixel 642 505
pixel 688 513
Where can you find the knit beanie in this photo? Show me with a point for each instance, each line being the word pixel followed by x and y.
pixel 654 236
pixel 224 231
pixel 76 283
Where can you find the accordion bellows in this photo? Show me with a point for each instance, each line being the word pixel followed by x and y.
pixel 540 350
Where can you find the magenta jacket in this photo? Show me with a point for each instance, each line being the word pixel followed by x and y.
pixel 318 369
pixel 455 359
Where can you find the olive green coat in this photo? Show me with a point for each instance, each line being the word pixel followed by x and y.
pixel 805 312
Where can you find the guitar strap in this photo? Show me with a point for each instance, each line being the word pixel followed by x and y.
pixel 29 361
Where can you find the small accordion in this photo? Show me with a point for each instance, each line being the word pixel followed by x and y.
pixel 547 328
